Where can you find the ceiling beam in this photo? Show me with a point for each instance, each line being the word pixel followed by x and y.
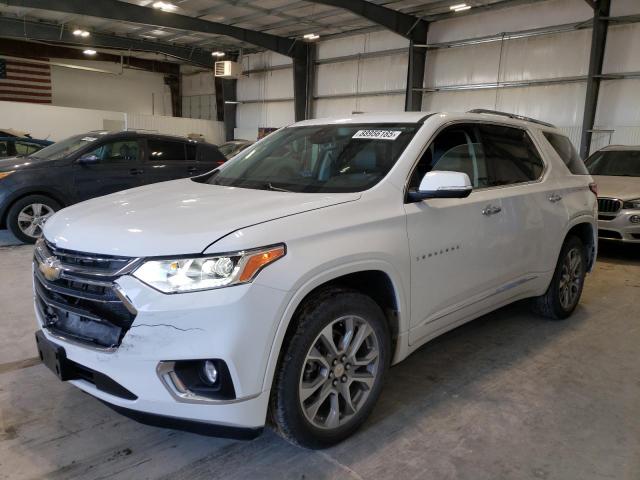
pixel 20 48
pixel 413 28
pixel 128 12
pixel 45 32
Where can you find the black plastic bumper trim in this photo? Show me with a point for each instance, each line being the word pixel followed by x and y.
pixel 193 426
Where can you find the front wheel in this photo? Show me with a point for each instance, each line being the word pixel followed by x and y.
pixel 567 283
pixel 27 216
pixel 332 371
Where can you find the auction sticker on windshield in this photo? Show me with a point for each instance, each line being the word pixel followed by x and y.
pixel 377 134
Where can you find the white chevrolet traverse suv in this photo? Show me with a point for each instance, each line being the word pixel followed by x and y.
pixel 283 284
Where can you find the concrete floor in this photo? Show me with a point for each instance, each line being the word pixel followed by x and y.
pixel 509 395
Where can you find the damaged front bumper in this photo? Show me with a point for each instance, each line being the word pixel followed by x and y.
pixel 235 325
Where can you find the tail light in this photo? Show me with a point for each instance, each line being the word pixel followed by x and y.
pixel 594 188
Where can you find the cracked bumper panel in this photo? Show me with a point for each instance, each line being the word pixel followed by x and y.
pixel 235 324
pixel 628 232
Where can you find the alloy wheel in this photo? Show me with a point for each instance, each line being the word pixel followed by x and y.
pixel 339 371
pixel 570 279
pixel 32 218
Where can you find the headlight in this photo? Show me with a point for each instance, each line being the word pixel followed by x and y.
pixel 632 204
pixel 5 174
pixel 204 273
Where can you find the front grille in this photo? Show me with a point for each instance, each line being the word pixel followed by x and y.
pixel 609 205
pixel 82 303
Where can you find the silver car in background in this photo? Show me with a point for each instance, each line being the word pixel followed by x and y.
pixel 616 170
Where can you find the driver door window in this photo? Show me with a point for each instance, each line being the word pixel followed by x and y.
pixel 120 151
pixel 454 149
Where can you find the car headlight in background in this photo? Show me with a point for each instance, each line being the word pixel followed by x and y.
pixel 5 174
pixel 634 204
pixel 207 272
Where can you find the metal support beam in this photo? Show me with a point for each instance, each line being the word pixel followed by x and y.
pixel 129 12
pixel 303 74
pixel 229 95
pixel 24 30
pixel 598 41
pixel 415 78
pixel 413 28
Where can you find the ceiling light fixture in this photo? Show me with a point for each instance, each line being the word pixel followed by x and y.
pixel 311 36
pixel 89 52
pixel 460 7
pixel 164 6
pixel 217 54
pixel 78 32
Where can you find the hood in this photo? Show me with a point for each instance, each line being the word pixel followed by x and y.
pixel 624 188
pixel 173 218
pixel 22 163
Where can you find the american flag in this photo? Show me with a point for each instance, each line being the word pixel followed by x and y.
pixel 22 81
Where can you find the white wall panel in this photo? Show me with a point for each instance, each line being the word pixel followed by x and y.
pixel 266 85
pixel 622 51
pixel 330 107
pixel 212 131
pixel 363 43
pixel 463 65
pixel 383 73
pixel 267 114
pixel 202 83
pixel 558 104
pixel 562 105
pixel 548 56
pixel 124 90
pixel 262 60
pixel 521 17
pixel 619 103
pixel 336 78
pixel 624 7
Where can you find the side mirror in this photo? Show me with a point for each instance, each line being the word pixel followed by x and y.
pixel 88 159
pixel 442 184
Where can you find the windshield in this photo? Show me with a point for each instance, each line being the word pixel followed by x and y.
pixel 318 159
pixel 65 147
pixel 616 163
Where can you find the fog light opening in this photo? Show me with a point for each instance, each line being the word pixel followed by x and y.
pixel 210 372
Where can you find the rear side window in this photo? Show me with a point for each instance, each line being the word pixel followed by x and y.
pixel 511 154
pixel 191 151
pixel 565 149
pixel 162 150
pixel 210 154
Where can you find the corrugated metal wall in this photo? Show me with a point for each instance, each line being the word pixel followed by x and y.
pixel 541 76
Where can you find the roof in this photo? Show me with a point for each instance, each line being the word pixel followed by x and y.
pixel 285 18
pixel 138 133
pixel 415 117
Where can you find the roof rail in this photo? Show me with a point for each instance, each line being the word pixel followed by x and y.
pixel 511 115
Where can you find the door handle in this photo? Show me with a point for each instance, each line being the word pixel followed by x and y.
pixel 491 210
pixel 554 198
pixel 136 171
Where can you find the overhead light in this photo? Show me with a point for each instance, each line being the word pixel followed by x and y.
pixel 217 54
pixel 460 7
pixel 232 102
pixel 311 36
pixel 78 32
pixel 89 52
pixel 164 6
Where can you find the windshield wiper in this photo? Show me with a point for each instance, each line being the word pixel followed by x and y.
pixel 277 189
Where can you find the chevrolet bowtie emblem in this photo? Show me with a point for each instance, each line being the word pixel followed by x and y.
pixel 50 268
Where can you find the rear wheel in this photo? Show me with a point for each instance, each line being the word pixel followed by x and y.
pixel 565 289
pixel 332 371
pixel 27 216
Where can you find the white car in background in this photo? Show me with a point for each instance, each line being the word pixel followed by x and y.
pixel 616 170
pixel 285 283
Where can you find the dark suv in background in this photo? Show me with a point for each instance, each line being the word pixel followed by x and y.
pixel 84 166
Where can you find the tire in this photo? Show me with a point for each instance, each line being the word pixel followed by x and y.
pixel 39 208
pixel 309 369
pixel 563 294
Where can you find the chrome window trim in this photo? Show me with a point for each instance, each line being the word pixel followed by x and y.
pixel 450 123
